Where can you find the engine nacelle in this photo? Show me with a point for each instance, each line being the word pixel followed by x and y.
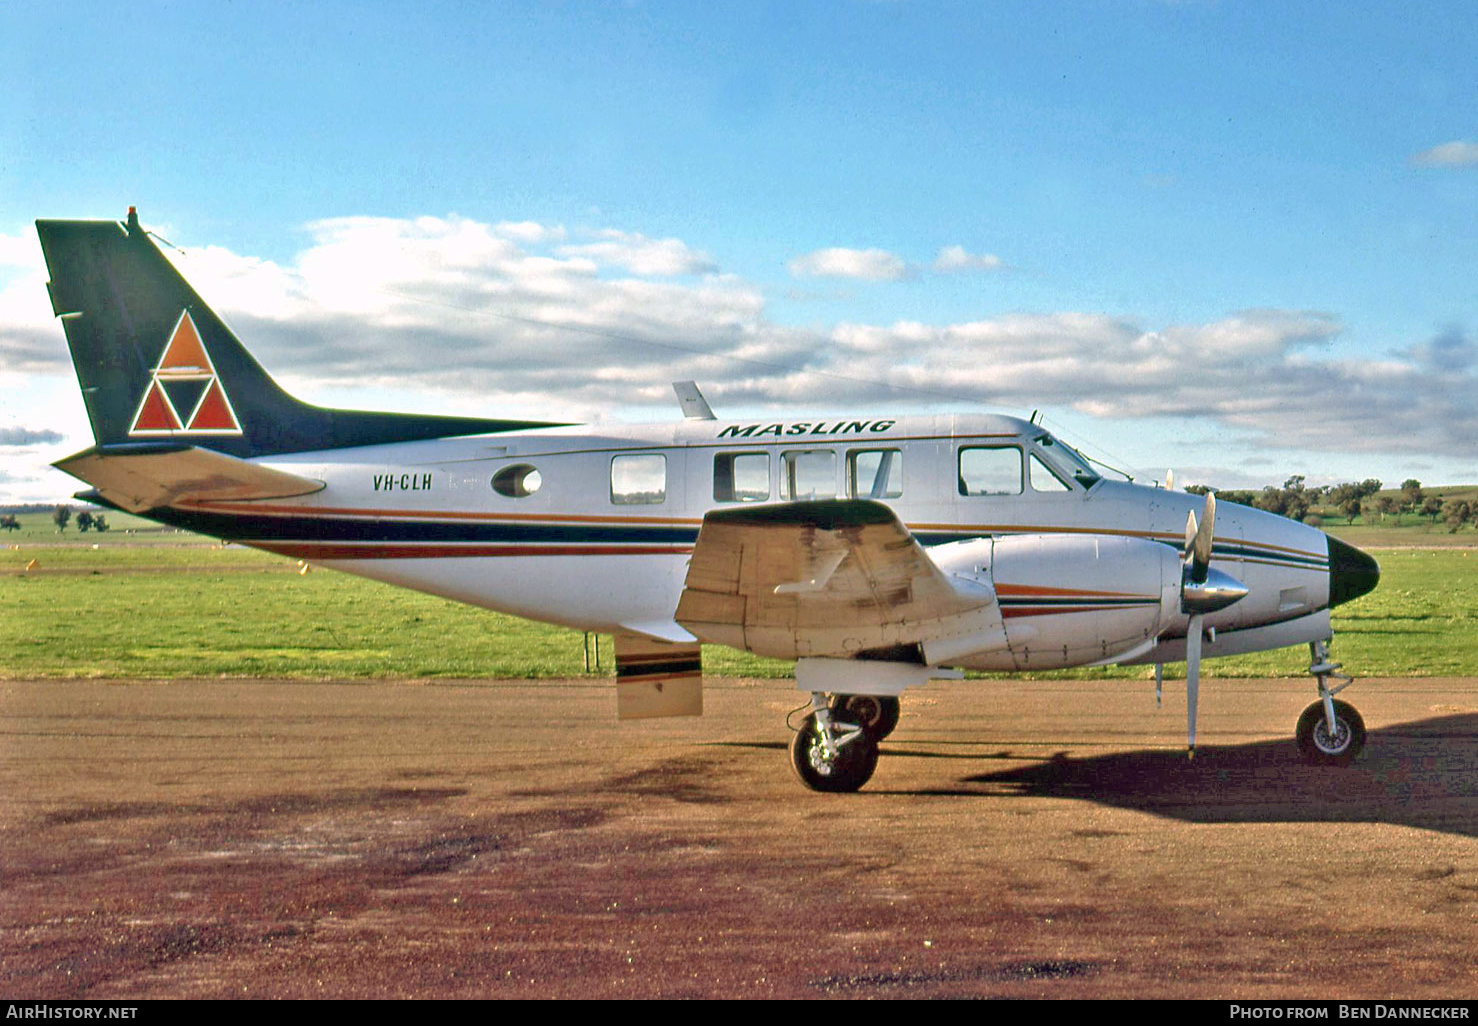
pixel 1068 599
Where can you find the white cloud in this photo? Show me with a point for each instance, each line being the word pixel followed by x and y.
pixel 955 258
pixel 529 232
pixel 1452 351
pixel 1459 153
pixel 22 250
pixel 448 306
pixel 452 315
pixel 19 436
pixel 866 264
pixel 638 254
pixel 28 333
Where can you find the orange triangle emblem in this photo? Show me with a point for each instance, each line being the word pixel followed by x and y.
pixel 214 413
pixel 156 414
pixel 185 353
pixel 185 360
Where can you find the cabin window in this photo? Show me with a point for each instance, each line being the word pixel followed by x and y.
pixel 875 473
pixel 741 476
pixel 990 470
pixel 808 474
pixel 639 480
pixel 517 481
pixel 1044 478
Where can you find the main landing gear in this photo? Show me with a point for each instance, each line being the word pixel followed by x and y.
pixel 1329 733
pixel 876 714
pixel 836 747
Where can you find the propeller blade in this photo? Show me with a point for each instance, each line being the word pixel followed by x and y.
pixel 1192 681
pixel 1198 540
pixel 1202 590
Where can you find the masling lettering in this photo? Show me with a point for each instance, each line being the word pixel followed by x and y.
pixel 808 428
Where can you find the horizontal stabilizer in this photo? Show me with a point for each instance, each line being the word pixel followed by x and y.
pixel 138 478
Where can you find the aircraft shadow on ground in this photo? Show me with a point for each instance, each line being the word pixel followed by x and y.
pixel 1422 774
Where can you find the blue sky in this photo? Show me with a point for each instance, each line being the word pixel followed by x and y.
pixel 1237 239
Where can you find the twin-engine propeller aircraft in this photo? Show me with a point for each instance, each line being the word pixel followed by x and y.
pixel 878 552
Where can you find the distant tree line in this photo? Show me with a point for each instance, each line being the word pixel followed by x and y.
pixel 26 507
pixel 1352 500
pixel 86 520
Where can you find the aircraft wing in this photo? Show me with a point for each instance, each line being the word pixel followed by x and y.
pixel 829 578
pixel 142 477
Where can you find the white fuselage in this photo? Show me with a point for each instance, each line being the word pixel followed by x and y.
pixel 592 527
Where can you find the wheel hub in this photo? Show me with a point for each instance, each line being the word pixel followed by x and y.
pixel 817 757
pixel 1336 744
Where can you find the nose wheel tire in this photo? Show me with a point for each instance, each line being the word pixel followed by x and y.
pixel 851 767
pixel 1322 747
pixel 876 714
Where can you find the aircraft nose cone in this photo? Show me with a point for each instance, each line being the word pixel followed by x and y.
pixel 1351 572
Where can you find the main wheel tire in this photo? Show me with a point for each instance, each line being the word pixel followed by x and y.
pixel 877 714
pixel 852 767
pixel 1317 744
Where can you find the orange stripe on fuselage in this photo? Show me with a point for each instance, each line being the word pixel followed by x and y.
pixel 1028 589
pixel 1009 613
pixel 249 508
pixel 377 550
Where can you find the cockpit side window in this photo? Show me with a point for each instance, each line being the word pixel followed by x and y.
pixel 1065 462
pixel 990 470
pixel 1044 478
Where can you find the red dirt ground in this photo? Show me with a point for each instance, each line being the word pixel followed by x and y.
pixel 511 839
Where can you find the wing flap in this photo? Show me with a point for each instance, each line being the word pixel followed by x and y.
pixel 139 478
pixel 830 578
pixel 657 678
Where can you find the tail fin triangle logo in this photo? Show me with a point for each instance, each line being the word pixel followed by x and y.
pixel 185 395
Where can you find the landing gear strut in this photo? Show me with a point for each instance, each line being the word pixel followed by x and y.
pixel 1329 733
pixel 831 751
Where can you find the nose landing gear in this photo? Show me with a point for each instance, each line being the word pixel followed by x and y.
pixel 1329 733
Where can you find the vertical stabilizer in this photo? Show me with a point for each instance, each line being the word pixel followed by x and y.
pixel 156 364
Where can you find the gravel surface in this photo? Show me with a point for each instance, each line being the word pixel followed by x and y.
pixel 512 839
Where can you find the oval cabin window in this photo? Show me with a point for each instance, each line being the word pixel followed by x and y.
pixel 517 481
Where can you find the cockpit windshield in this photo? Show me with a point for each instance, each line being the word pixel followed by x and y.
pixel 1064 460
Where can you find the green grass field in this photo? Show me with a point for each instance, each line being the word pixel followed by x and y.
pixel 1404 529
pixel 161 604
pixel 123 529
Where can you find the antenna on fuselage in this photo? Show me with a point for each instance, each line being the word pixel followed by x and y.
pixel 695 407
